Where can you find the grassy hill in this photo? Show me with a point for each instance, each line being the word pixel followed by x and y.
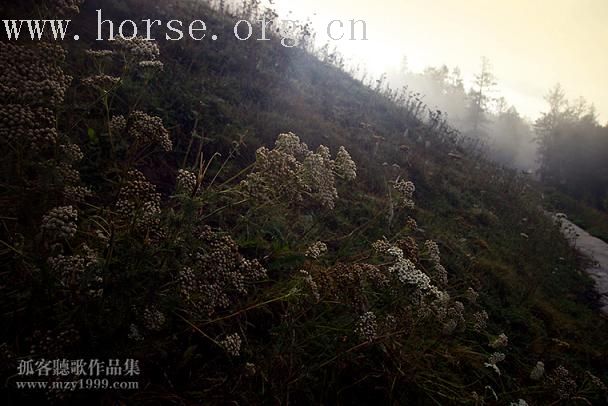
pixel 261 276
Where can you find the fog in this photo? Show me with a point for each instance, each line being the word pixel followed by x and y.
pixel 530 46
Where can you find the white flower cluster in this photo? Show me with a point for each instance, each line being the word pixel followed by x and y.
pixel 439 273
pixel 70 269
pixel 138 201
pixel 405 193
pixel 277 176
pixel 381 246
pixel 480 321
pixel 61 222
pixel 186 181
pixel 118 124
pixel 348 283
pixel 344 166
pixel 99 54
pixel 32 125
pixel 216 273
pixel 153 66
pixel 494 359
pixel 232 344
pixel 319 177
pixel 407 273
pixel 138 49
pixel 432 251
pixel 149 129
pixel 154 319
pixel 500 342
pixel 452 316
pixel 76 194
pixel 316 250
pixel 101 82
pixel 71 153
pixel 32 88
pixel 290 144
pixel 367 326
pixel 564 385
pixel 291 171
pixel 32 75
pixel 73 191
pixel 312 285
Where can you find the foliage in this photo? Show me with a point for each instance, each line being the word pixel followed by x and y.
pixel 145 216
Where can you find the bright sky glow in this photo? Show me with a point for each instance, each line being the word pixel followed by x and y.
pixel 532 44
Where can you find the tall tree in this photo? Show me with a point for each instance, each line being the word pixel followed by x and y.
pixel 479 96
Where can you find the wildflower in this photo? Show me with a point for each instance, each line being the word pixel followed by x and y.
pixel 501 341
pixel 70 269
pixel 411 224
pixel 118 124
pixel 494 359
pixel 291 171
pixel 34 125
pixel 382 246
pixel 149 129
pixel 101 82
pixel 432 251
pixel 367 326
pixel 60 222
pixel 276 176
pixel 186 181
pixel 290 144
pixel 344 166
pixel 405 193
pixel 138 201
pixel 138 48
pixel 32 75
pixel 538 371
pixel 232 344
pixel 76 194
pixel 480 321
pixel 153 66
pixel 314 288
pixel 71 153
pixel 409 247
pixel 103 53
pixel 154 319
pixel 562 382
pixel 319 178
pixel 67 173
pixel 316 250
pixel 216 273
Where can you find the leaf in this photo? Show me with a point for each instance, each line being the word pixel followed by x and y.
pixel 92 136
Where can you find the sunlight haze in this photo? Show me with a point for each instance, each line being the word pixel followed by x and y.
pixel 532 45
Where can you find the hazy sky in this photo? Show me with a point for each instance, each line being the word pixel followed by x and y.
pixel 532 44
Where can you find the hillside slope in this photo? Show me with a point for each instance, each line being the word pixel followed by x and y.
pixel 284 274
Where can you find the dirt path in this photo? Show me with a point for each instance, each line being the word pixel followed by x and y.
pixel 597 250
